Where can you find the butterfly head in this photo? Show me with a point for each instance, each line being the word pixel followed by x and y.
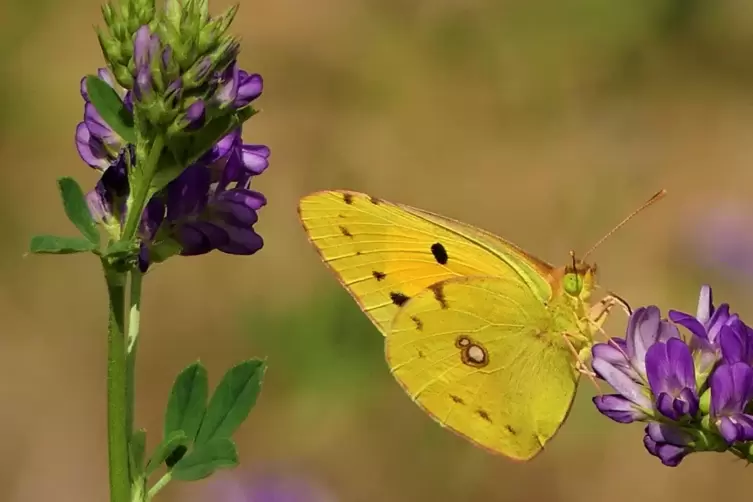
pixel 579 279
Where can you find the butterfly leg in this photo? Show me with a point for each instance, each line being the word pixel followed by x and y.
pixel 580 361
pixel 599 311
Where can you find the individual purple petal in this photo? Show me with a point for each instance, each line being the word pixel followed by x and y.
pixel 719 318
pixel 614 353
pixel 98 206
pixel 239 205
pixel 255 157
pixel 250 88
pixel 688 321
pixel 200 237
pixel 736 342
pixel 144 43
pixel 670 455
pixel 97 125
pixel 645 328
pixel 91 150
pixel 671 376
pixel 705 304
pixel 731 388
pixel 736 428
pixel 622 383
pixel 242 241
pixel 195 115
pixel 667 433
pixel 619 409
pixel 142 88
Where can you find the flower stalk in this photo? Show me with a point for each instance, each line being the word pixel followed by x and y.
pixel 117 399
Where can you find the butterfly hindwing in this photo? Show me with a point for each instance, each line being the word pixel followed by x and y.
pixel 478 354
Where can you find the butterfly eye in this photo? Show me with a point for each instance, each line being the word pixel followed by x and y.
pixel 573 284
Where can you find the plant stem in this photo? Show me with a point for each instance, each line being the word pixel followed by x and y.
pixel 117 402
pixel 141 186
pixel 121 359
pixel 159 485
pixel 134 318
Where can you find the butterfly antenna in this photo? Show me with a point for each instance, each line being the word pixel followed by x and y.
pixel 655 198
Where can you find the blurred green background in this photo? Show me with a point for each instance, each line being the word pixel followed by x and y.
pixel 541 120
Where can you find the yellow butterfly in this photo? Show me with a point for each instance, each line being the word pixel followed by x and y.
pixel 487 339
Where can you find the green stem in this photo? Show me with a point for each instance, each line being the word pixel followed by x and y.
pixel 159 485
pixel 117 405
pixel 121 358
pixel 140 194
pixel 134 318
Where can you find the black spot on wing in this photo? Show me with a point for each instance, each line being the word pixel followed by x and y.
pixel 440 253
pixel 348 198
pixel 398 299
pixel 418 322
pixel 484 414
pixel 379 276
pixel 374 201
pixel 511 430
pixel 345 232
pixel 457 399
pixel 438 290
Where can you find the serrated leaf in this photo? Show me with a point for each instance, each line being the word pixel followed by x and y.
pixel 136 449
pixel 53 244
pixel 111 108
pixel 232 401
pixel 76 209
pixel 205 459
pixel 188 401
pixel 176 439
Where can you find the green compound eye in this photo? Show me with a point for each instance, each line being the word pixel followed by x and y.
pixel 573 283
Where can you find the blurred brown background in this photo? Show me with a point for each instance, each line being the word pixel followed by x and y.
pixel 541 120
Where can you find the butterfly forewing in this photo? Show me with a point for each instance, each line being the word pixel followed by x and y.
pixel 384 253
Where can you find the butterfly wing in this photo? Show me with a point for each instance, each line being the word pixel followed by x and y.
pixel 385 253
pixel 484 357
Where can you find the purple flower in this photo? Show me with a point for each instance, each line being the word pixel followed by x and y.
pixel 622 363
pixel 249 88
pixel 671 376
pixel 657 376
pixel 96 142
pixel 731 391
pixel 668 442
pixel 706 325
pixel 736 342
pixel 208 206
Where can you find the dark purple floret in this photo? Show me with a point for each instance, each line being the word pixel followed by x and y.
pixel 731 391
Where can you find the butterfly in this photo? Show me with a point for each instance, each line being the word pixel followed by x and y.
pixel 488 340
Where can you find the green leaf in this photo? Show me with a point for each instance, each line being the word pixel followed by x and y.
pixel 136 448
pixel 232 401
pixel 188 401
pixel 76 209
pixel 205 459
pixel 53 244
pixel 176 439
pixel 111 108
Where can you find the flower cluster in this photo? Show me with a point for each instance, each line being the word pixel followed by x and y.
pixel 695 391
pixel 176 85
